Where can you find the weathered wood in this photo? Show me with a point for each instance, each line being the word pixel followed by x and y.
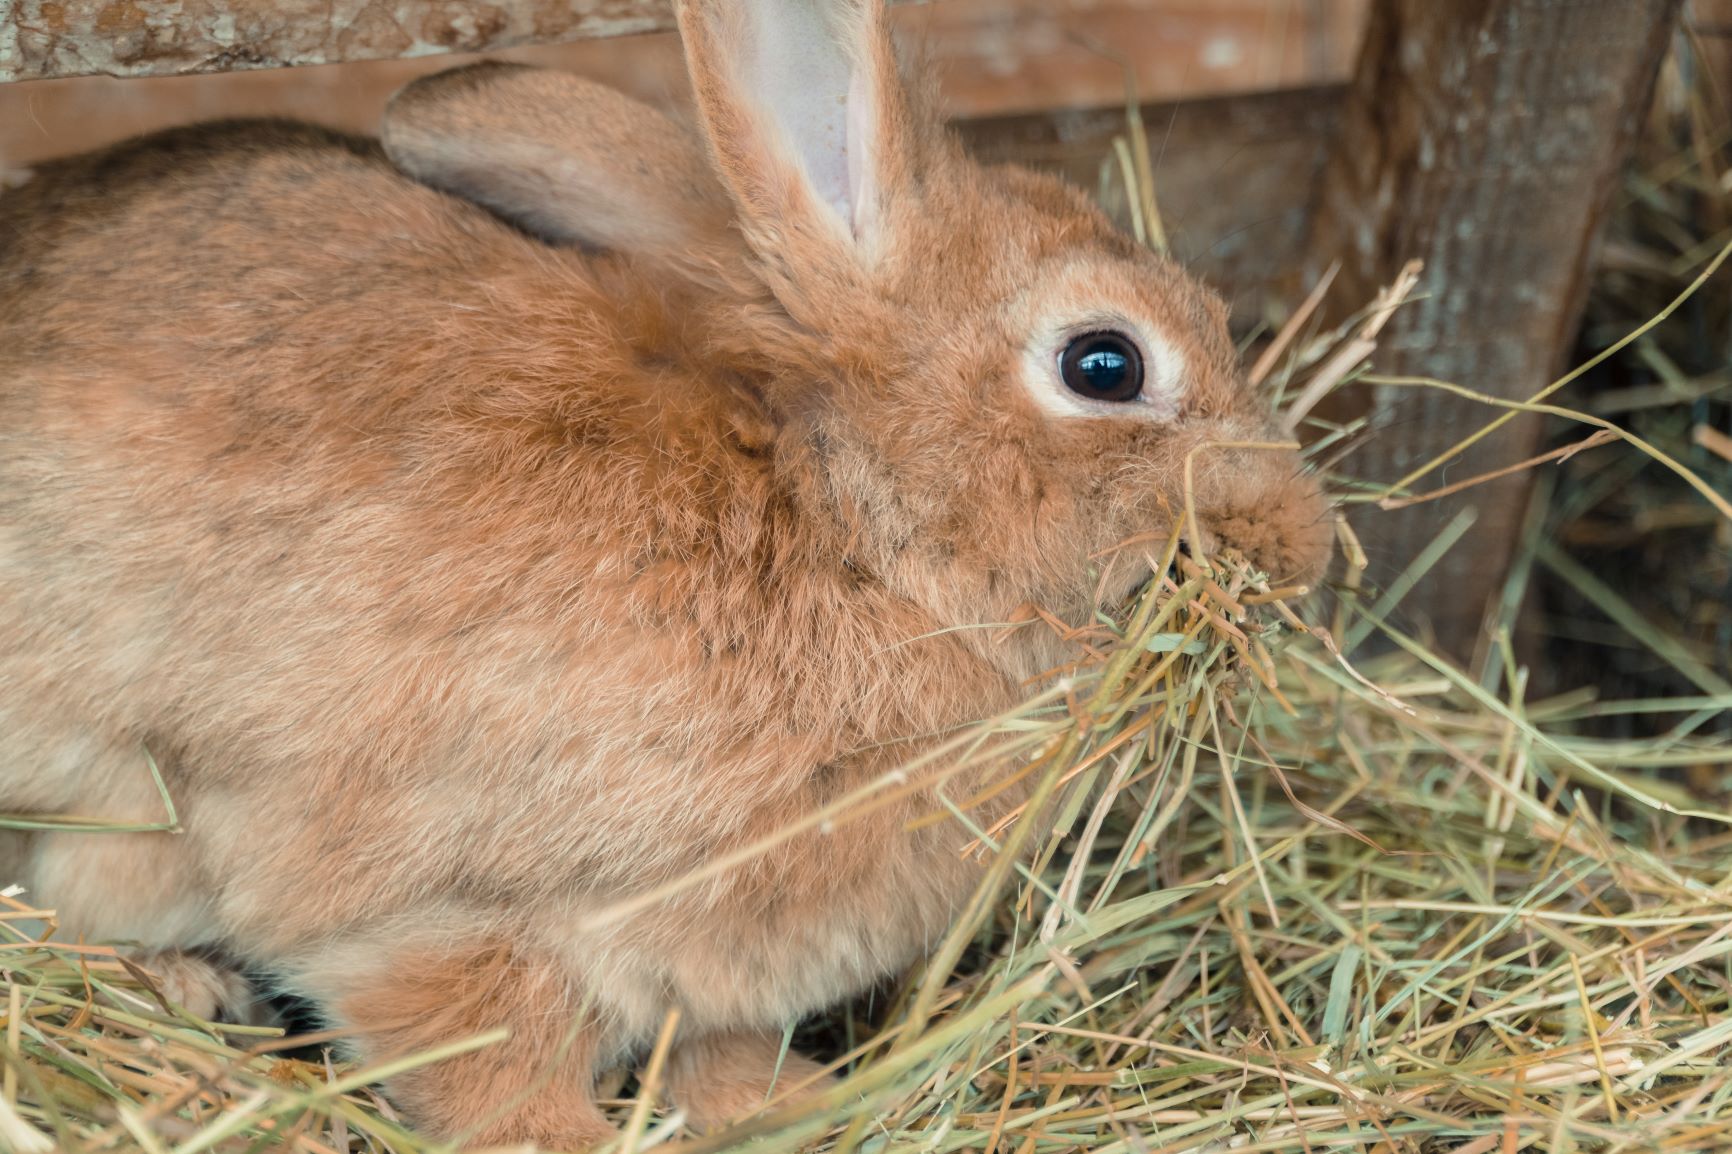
pixel 1012 55
pixel 992 58
pixel 49 38
pixel 1234 176
pixel 1485 137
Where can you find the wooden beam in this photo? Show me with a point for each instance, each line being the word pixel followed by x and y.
pixel 1000 57
pixel 1485 137
pixel 1235 174
pixel 1007 54
pixel 40 39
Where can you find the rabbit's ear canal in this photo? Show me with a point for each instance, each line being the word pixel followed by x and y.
pixel 570 160
pixel 802 104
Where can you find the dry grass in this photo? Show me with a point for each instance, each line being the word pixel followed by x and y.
pixel 1327 915
pixel 1284 904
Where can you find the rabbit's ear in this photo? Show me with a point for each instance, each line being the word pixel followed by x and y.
pixel 565 158
pixel 806 117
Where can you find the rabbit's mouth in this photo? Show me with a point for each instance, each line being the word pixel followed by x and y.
pixel 1127 573
pixel 1183 553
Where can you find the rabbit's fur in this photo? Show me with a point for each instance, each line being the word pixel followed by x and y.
pixel 462 585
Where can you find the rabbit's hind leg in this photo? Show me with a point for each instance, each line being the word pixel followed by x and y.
pixel 138 888
pixel 140 884
pixel 134 887
pixel 141 888
pixel 726 1077
pixel 536 1085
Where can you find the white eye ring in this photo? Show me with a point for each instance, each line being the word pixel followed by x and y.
pixel 1163 371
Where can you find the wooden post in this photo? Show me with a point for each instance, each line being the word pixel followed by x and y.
pixel 1486 138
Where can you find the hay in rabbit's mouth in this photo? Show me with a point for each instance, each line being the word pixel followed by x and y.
pixel 1280 899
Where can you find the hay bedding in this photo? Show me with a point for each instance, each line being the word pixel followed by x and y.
pixel 1289 903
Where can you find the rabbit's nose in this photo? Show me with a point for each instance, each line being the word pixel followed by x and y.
pixel 1282 525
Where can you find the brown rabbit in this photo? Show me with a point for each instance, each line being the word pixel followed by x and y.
pixel 462 586
pixel 566 158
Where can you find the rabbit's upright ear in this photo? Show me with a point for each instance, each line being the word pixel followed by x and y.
pixel 565 158
pixel 807 121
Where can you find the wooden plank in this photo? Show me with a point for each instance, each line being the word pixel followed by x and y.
pixel 1017 55
pixel 1009 56
pixel 49 38
pixel 1485 137
pixel 1235 176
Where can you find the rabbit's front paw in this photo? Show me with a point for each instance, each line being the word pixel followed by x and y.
pixel 203 987
pixel 718 1079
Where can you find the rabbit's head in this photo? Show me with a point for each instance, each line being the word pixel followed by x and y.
pixel 998 391
pixel 993 394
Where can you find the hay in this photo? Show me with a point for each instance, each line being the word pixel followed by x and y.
pixel 1381 919
pixel 1285 904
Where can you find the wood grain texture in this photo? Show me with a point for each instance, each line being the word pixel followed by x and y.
pixel 1015 54
pixel 1236 174
pixel 48 38
pixel 1006 56
pixel 1485 137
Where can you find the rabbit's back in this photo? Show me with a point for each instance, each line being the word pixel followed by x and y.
pixel 245 360
pixel 408 547
pixel 291 450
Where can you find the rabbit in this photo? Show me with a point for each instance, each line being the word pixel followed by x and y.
pixel 565 158
pixel 481 536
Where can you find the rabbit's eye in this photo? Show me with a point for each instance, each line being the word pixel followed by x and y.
pixel 1104 366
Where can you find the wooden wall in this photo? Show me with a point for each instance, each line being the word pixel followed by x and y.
pixel 996 57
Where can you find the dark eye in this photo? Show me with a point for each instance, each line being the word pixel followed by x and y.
pixel 1102 367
